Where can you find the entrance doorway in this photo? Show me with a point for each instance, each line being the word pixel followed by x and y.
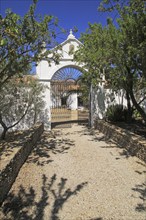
pixel 66 98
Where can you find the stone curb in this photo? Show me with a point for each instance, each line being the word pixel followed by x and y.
pixel 9 172
pixel 135 144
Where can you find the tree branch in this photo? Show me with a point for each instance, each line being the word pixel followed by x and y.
pixel 21 116
pixel 142 100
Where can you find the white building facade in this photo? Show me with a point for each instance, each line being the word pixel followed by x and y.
pixel 46 73
pixel 101 96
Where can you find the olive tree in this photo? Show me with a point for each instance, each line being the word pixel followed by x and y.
pixel 22 40
pixel 21 100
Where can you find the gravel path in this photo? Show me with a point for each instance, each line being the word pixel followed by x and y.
pixel 78 175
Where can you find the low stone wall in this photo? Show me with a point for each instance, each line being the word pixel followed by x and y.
pixel 10 168
pixel 135 144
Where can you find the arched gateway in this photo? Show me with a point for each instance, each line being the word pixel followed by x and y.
pixel 62 96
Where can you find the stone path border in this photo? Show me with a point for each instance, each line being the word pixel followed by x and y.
pixel 11 163
pixel 135 144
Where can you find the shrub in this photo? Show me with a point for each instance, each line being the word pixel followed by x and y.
pixel 115 113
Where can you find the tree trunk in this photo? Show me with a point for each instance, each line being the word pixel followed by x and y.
pixel 35 116
pixel 129 112
pixel 137 106
pixel 3 135
pixel 130 91
pixel 5 128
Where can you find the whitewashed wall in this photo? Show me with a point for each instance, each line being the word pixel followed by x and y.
pixel 45 72
pixel 72 101
pixel 103 97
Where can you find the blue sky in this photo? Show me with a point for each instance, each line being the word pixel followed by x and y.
pixel 69 12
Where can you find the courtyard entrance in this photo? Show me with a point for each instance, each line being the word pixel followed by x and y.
pixel 67 105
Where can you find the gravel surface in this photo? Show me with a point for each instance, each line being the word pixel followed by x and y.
pixel 76 174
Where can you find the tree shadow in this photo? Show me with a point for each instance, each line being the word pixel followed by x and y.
pixel 98 136
pixel 12 141
pixel 96 218
pixel 13 207
pixel 24 204
pixel 141 163
pixel 108 143
pixel 136 127
pixel 125 153
pixel 141 189
pixel 20 205
pixel 5 149
pixel 48 145
pixel 62 195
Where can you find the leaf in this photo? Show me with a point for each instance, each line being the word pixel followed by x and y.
pixel 3 42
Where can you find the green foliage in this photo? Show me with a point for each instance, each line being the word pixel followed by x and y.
pixel 84 89
pixel 118 52
pixel 21 40
pixel 136 114
pixel 115 113
pixel 132 30
pixel 91 53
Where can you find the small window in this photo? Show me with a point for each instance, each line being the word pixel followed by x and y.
pixel 71 49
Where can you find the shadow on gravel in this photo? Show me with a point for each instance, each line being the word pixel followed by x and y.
pixel 96 219
pixel 13 140
pixel 109 143
pixel 49 144
pixel 141 163
pixel 61 196
pixel 141 189
pixel 24 204
pixel 96 135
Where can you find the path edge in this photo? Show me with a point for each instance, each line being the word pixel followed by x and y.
pixel 9 173
pixel 135 144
